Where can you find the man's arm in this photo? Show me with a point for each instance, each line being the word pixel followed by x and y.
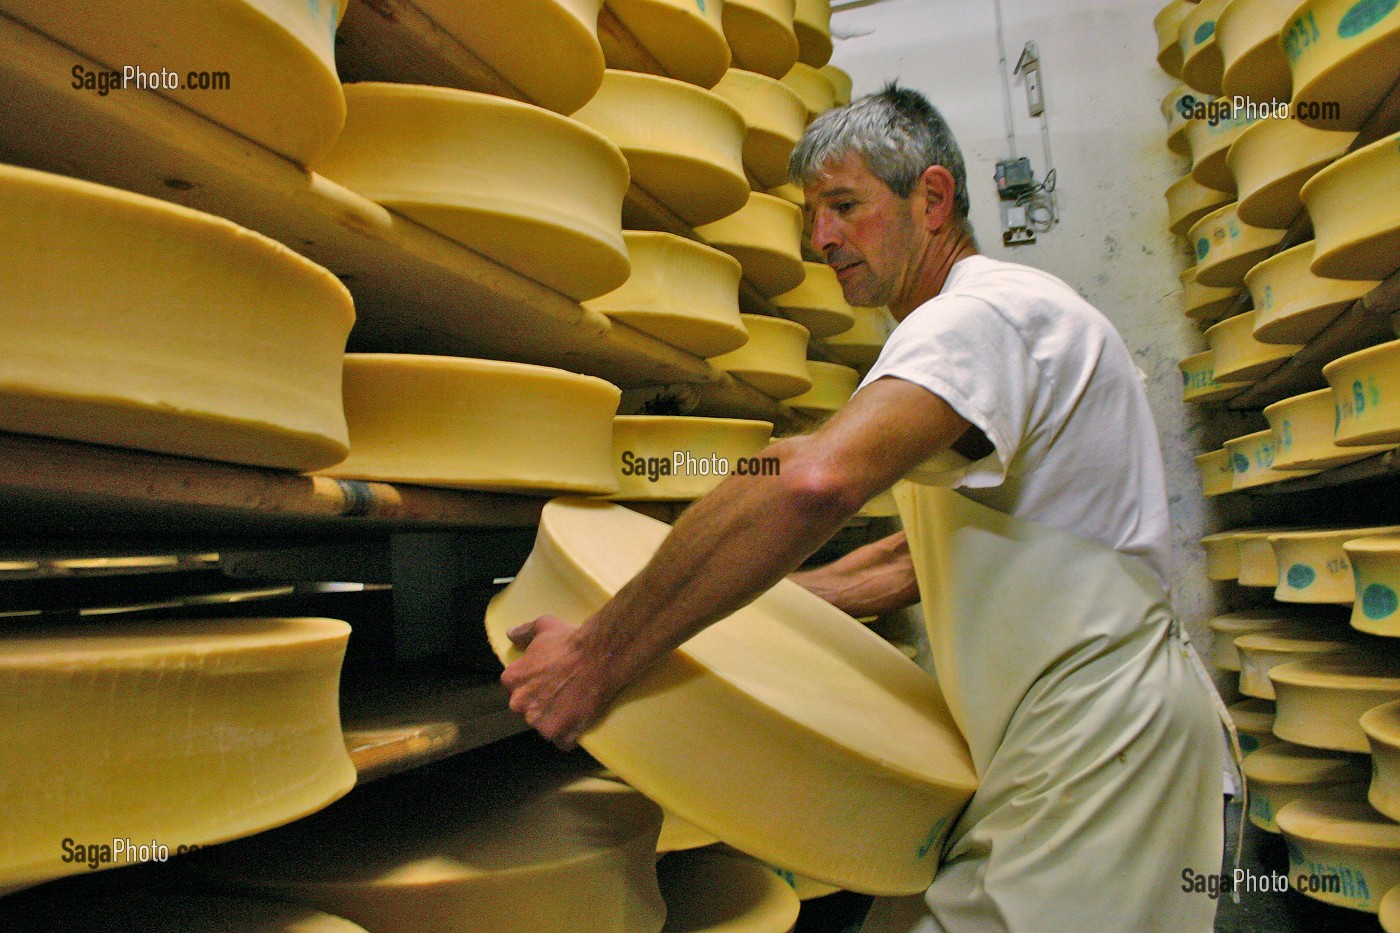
pixel 724 551
pixel 869 581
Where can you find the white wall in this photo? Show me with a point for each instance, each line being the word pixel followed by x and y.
pixel 1102 89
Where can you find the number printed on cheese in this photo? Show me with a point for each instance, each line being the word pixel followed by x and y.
pixel 1340 850
pixel 1343 54
pixel 1366 392
pixel 1303 433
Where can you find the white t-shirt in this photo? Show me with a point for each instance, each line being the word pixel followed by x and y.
pixel 1047 379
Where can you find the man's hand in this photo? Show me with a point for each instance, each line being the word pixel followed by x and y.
pixel 555 685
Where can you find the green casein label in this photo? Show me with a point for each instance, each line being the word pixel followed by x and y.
pixel 1363 16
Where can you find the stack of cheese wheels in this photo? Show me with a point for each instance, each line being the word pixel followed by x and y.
pixel 684 145
pixel 1291 303
pixel 1202 65
pixel 841 81
pixel 1258 565
pixel 1227 247
pixel 1204 302
pixel 1366 389
pixel 1382 727
pixel 1217 475
pixel 724 891
pixel 136 323
pixel 761 35
pixel 765 235
pixel 1375 564
pixel 181 732
pixel 1232 625
pixel 1254 64
pixel 774 361
pixel 815 89
pixel 1210 139
pixel 832 387
pixel 477 424
pixel 547 49
pixel 1168 24
pixel 812 22
pixel 775 117
pixel 1340 838
pixel 1261 652
pixel 1357 233
pixel 1254 722
pixel 1252 458
pixel 677 835
pixel 733 709
pixel 1239 357
pixel 1321 699
pixel 1272 160
pixel 170 913
pixel 1282 772
pixel 469 166
pixel 1198 382
pixel 1313 567
pixel 1188 201
pixel 530 847
pixel 818 304
pixel 264 48
pixel 683 38
pixel 679 458
pixel 1303 427
pixel 860 346
pixel 680 291
pixel 1222 556
pixel 1345 56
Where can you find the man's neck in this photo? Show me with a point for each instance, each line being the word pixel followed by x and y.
pixel 932 270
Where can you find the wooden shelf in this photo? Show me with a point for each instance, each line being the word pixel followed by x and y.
pixel 1380 467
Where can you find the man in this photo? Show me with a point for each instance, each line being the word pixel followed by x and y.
pixel 1107 760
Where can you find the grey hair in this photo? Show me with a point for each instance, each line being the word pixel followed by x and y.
pixel 898 133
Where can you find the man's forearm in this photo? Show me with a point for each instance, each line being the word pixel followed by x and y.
pixel 869 581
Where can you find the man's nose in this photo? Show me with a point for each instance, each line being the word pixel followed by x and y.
pixel 825 235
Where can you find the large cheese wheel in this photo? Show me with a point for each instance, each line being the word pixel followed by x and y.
pixel 684 37
pixel 180 733
pixel 1321 699
pixel 1313 567
pixel 548 49
pixel 1199 384
pixel 477 424
pixel 1340 850
pixel 1303 427
pixel 1188 201
pixel 1188 105
pixel 1168 25
pixel 1272 159
pixel 818 304
pixel 1239 357
pixel 775 117
pixel 1255 66
pixel 679 458
pixel 1389 913
pixel 680 291
pixel 816 90
pixel 1291 303
pixel 733 711
pixel 1222 556
pixel 532 846
pixel 1282 620
pixel 766 237
pixel 471 166
pixel 262 68
pixel 811 21
pixel 137 323
pixel 1254 722
pixel 1382 727
pixel 789 192
pixel 1261 652
pixel 883 505
pixel 832 387
pixel 1375 564
pixel 1366 390
pixel 723 891
pixel 761 35
pixel 1258 565
pixel 684 145
pixel 861 345
pixel 1210 139
pixel 774 361
pixel 1217 475
pixel 1343 53
pixel 1357 232
pixel 1227 247
pixel 169 913
pixel 1202 66
pixel 840 80
pixel 1282 772
pixel 1205 302
pixel 1252 458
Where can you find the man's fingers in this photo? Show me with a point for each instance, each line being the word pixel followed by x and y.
pixel 522 635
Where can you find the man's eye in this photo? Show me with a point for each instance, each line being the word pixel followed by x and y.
pixel 844 207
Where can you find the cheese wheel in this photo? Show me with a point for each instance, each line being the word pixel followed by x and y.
pixel 678 835
pixel 684 145
pixel 818 303
pixel 172 913
pixel 1321 699
pixel 477 424
pixel 167 734
pixel 1254 721
pixel 762 35
pixel 1272 159
pixel 1282 772
pixel 530 846
pixel 811 21
pixel 860 346
pixel 1168 24
pixel 1202 66
pixel 1344 53
pixel 789 192
pixel 841 81
pixel 1204 303
pixel 1389 913
pixel 733 710
pixel 137 323
pixel 1217 475
pixel 1340 850
pixel 1210 139
pixel 1252 458
pixel 816 90
pixel 1227 247
pixel 775 117
pixel 680 291
pixel 1222 556
pixel 1313 567
pixel 808 889
pixel 1283 620
pixel 1178 98
pixel 232 61
pixel 774 361
pixel 548 49
pixel 1189 106
pixel 470 167
pixel 765 235
pixel 719 891
pixel 1293 305
pixel 1239 357
pixel 1255 66
pixel 1261 652
pixel 1375 564
pixel 1188 201
pixel 1366 389
pixel 1357 233
pixel 832 387
pixel 1382 727
pixel 882 506
pixel 681 458
pixel 1199 384
pixel 1303 427
pixel 684 37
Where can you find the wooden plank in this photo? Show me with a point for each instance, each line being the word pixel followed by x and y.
pixel 1381 466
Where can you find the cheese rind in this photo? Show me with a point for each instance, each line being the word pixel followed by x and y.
pixel 1239 356
pixel 1202 66
pixel 1356 233
pixel 1168 25
pixel 1365 390
pixel 1282 772
pixel 811 22
pixel 1291 303
pixel 1222 556
pixel 1272 160
pixel 1282 620
pixel 1375 564
pixel 816 90
pixel 1254 721
pixel 818 304
pixel 1389 912
pixel 684 37
pixel 1313 566
pixel 1188 201
pixel 1210 147
pixel 1338 835
pixel 1261 652
pixel 1217 475
pixel 1227 247
pixel 1342 52
pixel 1252 459
pixel 723 891
pixel 691 450
pixel 775 116
pixel 1321 699
pixel 1255 66
pixel 761 35
pixel 841 81
pixel 765 235
pixel 1382 727
pixel 1303 427
pixel 774 361
pixel 832 387
pixel 860 346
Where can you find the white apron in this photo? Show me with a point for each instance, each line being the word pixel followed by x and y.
pixel 1096 744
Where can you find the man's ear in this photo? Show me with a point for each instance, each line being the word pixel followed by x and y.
pixel 938 195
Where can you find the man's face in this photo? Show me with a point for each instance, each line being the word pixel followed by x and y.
pixel 864 231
